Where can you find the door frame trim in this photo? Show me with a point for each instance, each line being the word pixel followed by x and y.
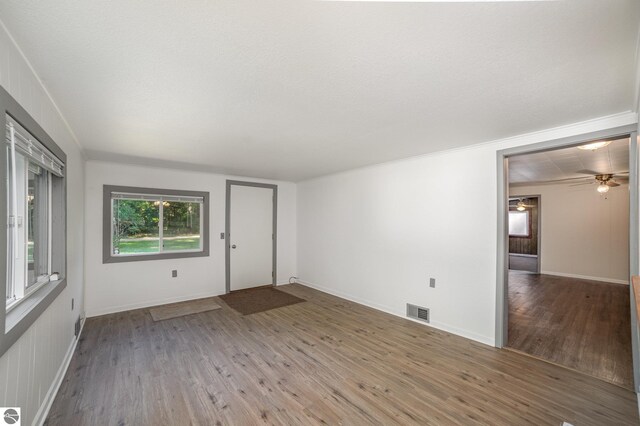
pixel 502 156
pixel 227 229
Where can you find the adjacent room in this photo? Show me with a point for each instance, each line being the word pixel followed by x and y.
pixel 320 212
pixel 569 258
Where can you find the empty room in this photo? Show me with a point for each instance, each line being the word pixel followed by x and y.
pixel 301 212
pixel 569 260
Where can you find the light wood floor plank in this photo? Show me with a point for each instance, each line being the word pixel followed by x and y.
pixel 324 361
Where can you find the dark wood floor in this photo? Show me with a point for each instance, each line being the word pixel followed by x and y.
pixel 523 263
pixel 581 324
pixel 324 361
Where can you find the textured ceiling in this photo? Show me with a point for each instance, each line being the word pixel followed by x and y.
pixel 569 163
pixel 292 89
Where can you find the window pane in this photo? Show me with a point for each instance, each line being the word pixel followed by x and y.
pixel 17 250
pixel 11 223
pixel 519 224
pixel 37 224
pixel 135 227
pixel 181 223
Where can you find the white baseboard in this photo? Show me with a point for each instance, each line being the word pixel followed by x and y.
pixel 43 411
pixel 435 324
pixel 148 304
pixel 585 277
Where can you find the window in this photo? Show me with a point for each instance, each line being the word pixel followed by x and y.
pixel 33 255
pixel 519 224
pixel 30 173
pixel 146 223
pixel 155 225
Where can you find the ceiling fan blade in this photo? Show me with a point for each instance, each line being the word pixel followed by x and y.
pixel 581 183
pixel 565 180
pixel 621 179
pixel 612 184
pixel 569 179
pixel 588 172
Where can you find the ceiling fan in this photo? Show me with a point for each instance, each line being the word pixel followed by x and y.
pixel 520 205
pixel 604 180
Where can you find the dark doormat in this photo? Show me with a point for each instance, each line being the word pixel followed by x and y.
pixel 260 299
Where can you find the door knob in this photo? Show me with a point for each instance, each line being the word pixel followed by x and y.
pixel 233 246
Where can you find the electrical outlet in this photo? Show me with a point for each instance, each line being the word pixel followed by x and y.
pixel 432 282
pixel 222 235
pixel 174 273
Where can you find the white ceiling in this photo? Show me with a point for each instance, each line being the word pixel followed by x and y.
pixel 569 163
pixel 292 89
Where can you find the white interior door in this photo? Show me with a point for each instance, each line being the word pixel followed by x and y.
pixel 250 237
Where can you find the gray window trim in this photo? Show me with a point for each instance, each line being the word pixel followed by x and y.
pixel 22 317
pixel 107 257
pixel 227 230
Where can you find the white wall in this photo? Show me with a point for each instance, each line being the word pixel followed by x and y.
pixel 28 369
pixel 375 235
pixel 584 234
pixel 122 286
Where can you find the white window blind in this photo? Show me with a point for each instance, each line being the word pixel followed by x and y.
pixel 151 197
pixel 29 146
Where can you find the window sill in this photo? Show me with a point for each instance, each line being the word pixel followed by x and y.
pixel 32 303
pixel 155 256
pixel 31 291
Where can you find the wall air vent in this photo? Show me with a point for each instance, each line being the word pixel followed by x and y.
pixel 417 312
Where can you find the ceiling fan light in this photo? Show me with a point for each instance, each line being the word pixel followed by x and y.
pixel 603 188
pixel 594 145
pixel 520 208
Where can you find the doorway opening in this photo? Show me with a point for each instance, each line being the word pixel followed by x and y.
pixel 251 235
pixel 565 255
pixel 524 233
